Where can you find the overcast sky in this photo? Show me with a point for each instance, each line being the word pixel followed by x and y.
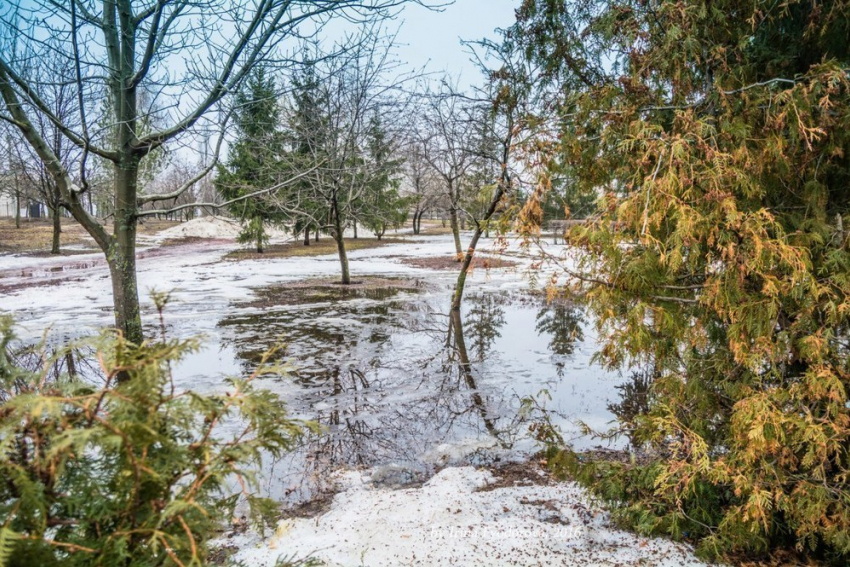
pixel 433 38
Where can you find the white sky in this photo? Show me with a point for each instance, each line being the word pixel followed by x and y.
pixel 433 38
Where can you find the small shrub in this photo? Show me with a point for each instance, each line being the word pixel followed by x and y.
pixel 129 471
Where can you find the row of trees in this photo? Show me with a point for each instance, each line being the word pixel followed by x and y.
pixel 350 145
pixel 133 94
pixel 325 142
pixel 322 158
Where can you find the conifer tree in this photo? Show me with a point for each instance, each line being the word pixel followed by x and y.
pixel 306 128
pixel 719 263
pixel 254 161
pixel 382 206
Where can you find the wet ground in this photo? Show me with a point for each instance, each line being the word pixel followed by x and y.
pixel 397 384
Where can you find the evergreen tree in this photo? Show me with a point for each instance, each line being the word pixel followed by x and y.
pixel 307 128
pixel 719 134
pixel 381 206
pixel 255 157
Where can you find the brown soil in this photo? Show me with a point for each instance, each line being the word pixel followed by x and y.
pixel 311 290
pixel 526 473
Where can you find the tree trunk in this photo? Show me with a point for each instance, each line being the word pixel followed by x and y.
pixel 259 226
pixel 316 237
pixel 355 230
pixel 456 233
pixel 121 255
pixel 307 236
pixel 69 363
pixel 57 229
pixel 470 252
pixel 17 206
pixel 340 246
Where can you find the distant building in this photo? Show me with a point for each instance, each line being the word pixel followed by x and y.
pixel 7 205
pixel 29 209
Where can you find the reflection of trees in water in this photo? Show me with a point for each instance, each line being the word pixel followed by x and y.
pixel 634 401
pixel 439 394
pixel 50 360
pixel 483 322
pixel 562 320
pixel 486 328
pixel 385 386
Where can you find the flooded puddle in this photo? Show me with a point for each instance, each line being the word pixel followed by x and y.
pixel 400 386
pixel 396 383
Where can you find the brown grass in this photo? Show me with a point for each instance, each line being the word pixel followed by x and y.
pixel 482 261
pixel 321 248
pixel 36 235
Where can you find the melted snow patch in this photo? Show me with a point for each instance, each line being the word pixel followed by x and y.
pixel 450 521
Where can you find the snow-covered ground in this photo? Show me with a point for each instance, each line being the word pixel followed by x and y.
pixel 444 522
pixel 451 521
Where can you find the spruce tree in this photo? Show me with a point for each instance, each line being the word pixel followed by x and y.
pixel 254 161
pixel 382 206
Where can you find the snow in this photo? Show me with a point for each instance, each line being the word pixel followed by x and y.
pixel 450 521
pixel 446 521
pixel 202 227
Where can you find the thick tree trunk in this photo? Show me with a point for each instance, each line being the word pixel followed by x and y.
pixel 456 232
pixel 70 364
pixel 307 236
pixel 57 229
pixel 121 255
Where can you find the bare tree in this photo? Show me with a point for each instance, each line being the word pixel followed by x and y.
pixel 501 139
pixel 351 91
pixel 422 185
pixel 117 49
pixel 446 139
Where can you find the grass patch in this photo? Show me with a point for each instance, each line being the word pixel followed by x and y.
pixel 36 235
pixel 483 261
pixel 321 248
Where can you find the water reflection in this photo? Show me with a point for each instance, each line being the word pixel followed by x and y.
pixel 397 383
pixel 562 321
pixel 633 401
pixel 484 319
